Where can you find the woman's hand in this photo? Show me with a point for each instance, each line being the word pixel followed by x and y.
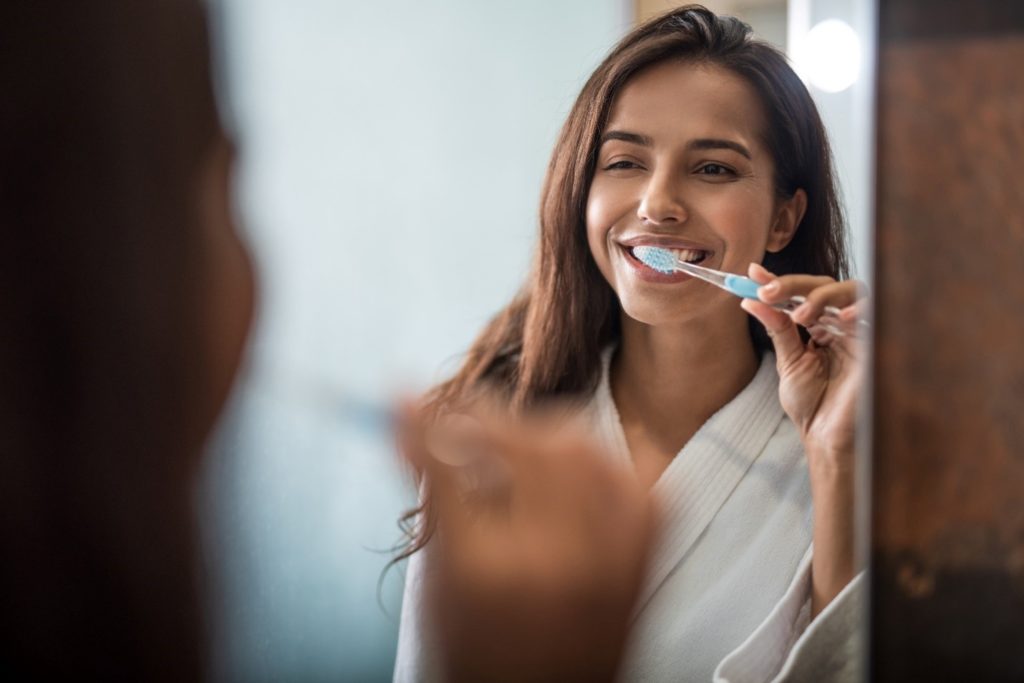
pixel 536 577
pixel 820 383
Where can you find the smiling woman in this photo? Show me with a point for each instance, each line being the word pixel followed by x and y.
pixel 684 146
pixel 696 137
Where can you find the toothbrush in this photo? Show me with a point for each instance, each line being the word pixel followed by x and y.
pixel 368 415
pixel 664 261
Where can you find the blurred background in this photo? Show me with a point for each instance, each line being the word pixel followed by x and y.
pixel 391 157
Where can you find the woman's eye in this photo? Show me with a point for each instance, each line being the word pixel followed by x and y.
pixel 714 169
pixel 621 165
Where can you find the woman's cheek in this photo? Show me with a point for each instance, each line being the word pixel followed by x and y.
pixel 743 224
pixel 597 234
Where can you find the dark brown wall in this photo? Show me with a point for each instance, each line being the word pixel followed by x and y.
pixel 948 472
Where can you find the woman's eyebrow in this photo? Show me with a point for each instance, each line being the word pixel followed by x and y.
pixel 626 136
pixel 714 143
pixel 698 144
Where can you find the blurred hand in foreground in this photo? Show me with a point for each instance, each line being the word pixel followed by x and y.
pixel 538 567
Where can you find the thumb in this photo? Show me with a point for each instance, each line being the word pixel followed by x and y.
pixel 785 336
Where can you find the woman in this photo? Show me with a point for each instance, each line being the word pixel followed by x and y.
pixel 695 137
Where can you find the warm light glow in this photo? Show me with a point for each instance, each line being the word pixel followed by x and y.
pixel 829 56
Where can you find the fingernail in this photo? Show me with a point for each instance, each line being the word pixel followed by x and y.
pixel 771 287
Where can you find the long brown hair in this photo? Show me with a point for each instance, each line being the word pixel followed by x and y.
pixel 546 343
pixel 106 115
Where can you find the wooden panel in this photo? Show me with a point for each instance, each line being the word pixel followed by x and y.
pixel 948 465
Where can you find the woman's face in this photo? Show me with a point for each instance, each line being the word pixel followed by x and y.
pixel 682 165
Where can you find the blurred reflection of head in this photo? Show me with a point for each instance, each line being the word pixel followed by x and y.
pixel 127 297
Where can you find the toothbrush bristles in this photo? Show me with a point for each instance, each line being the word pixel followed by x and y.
pixel 659 259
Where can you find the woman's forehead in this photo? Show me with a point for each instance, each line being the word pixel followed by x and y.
pixel 685 99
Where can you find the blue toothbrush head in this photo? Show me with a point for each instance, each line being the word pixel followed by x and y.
pixel 661 260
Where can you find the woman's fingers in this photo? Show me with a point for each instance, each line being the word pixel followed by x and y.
pixel 555 484
pixel 818 290
pixel 575 542
pixel 783 332
pixel 555 470
pixel 778 288
pixel 780 327
pixel 842 305
pixel 783 287
pixel 825 299
pixel 821 335
pixel 442 479
pixel 857 312
pixel 760 274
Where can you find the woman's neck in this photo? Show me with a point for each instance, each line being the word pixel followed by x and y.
pixel 669 380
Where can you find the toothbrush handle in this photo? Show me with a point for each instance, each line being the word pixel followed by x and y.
pixel 828 314
pixel 747 288
pixel 791 304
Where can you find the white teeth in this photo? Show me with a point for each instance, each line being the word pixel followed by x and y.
pixel 689 255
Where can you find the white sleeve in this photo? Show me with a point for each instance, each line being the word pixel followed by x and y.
pixel 786 648
pixel 415 660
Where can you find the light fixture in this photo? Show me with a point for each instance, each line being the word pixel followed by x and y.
pixel 829 56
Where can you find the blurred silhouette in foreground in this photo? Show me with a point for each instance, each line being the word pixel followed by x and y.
pixel 126 298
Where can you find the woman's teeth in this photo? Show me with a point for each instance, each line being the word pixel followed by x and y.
pixel 689 255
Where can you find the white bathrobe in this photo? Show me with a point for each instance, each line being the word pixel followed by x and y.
pixel 727 597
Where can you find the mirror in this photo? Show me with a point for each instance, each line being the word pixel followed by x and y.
pixel 391 163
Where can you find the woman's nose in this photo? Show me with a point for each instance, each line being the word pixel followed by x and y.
pixel 661 202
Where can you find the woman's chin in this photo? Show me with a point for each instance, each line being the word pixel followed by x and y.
pixel 657 315
pixel 677 311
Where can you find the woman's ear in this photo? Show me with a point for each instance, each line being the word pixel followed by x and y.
pixel 788 215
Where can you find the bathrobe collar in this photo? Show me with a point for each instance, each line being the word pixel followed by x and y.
pixel 704 473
